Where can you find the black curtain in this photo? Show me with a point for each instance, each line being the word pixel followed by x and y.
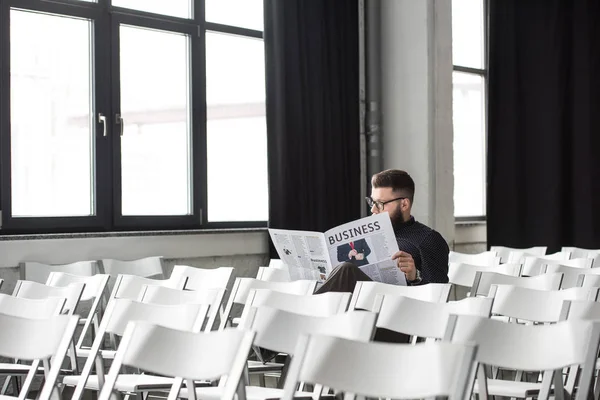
pixel 312 113
pixel 544 123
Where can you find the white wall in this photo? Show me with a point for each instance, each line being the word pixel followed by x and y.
pixel 416 56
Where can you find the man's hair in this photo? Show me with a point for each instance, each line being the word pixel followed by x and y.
pixel 399 181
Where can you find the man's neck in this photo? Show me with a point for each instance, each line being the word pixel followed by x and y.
pixel 398 227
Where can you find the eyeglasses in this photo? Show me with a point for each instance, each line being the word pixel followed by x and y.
pixel 381 204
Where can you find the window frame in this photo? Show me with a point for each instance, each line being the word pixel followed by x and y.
pixel 483 73
pixel 107 182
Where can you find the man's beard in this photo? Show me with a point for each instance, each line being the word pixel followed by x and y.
pixel 397 220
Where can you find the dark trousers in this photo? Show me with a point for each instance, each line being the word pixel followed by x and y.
pixel 343 278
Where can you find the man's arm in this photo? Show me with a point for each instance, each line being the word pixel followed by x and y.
pixel 434 259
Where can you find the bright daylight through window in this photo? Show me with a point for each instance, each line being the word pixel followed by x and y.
pixel 469 107
pixel 107 128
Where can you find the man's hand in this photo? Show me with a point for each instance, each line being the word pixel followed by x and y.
pixel 360 256
pixel 406 264
pixel 352 253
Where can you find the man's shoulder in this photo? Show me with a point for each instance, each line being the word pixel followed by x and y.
pixel 431 235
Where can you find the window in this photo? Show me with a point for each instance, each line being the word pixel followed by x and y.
pixel 131 115
pixel 469 107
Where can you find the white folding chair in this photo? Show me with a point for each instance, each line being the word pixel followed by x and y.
pixel 578 252
pixel 571 275
pixel 540 306
pixel 242 286
pixel 486 258
pixel 276 263
pixel 130 286
pixel 167 296
pixel 204 278
pixel 397 313
pixel 535 265
pixel 363 297
pixel 316 305
pixel 280 330
pixel 530 348
pixel 484 280
pixel 588 280
pixel 187 355
pixel 581 309
pixel 34 290
pixel 118 314
pixel 504 252
pixel 382 370
pixel 39 272
pixel 464 274
pixel 144 267
pixel 44 342
pixel 273 274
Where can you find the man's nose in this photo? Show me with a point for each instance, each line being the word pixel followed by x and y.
pixel 374 209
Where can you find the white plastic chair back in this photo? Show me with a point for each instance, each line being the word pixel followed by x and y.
pixel 211 298
pixel 242 287
pixel 588 280
pixel 571 275
pixel 397 313
pixel 39 272
pixel 144 267
pixel 535 305
pixel 34 290
pixel 464 274
pixel 578 252
pixel 581 309
pixel 94 285
pixel 203 278
pixel 484 280
pixel 364 294
pixel 526 347
pixel 190 356
pixel 31 308
pixel 272 274
pixel 504 252
pixel 280 330
pixel 487 258
pixel 317 305
pixel 426 370
pixel 276 263
pixel 535 265
pixel 43 341
pixel 130 286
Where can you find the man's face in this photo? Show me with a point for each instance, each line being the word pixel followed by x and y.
pixel 396 209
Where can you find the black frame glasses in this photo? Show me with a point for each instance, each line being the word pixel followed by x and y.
pixel 381 204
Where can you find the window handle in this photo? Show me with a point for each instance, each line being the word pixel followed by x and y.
pixel 102 120
pixel 119 119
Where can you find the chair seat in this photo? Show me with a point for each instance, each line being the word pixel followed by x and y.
pixel 498 387
pixel 126 382
pixel 252 393
pixel 257 367
pixel 23 369
pixel 85 353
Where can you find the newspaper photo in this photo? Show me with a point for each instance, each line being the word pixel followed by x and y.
pixel 369 243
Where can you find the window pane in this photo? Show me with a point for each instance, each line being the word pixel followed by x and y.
pixel 242 13
pixel 155 104
pixel 52 129
pixel 174 8
pixel 237 174
pixel 469 145
pixel 467 33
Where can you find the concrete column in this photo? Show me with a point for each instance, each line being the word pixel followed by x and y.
pixel 416 68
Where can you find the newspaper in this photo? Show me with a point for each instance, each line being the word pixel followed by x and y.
pixel 369 243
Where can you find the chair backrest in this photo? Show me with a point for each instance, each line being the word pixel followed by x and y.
pixel 279 330
pixel 527 347
pixel 316 305
pixel 39 272
pixel 130 286
pixel 397 313
pixel 487 258
pixel 276 263
pixel 484 280
pixel 44 341
pixel 588 280
pixel 34 290
pixel 204 278
pixel 504 252
pixel 535 265
pixel 242 286
pixel 187 355
pixel 363 297
pixel 535 305
pixel 31 308
pixel 579 252
pixel 167 296
pixel 464 274
pixel 571 275
pixel 581 309
pixel 94 285
pixel 426 370
pixel 273 274
pixel 144 267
